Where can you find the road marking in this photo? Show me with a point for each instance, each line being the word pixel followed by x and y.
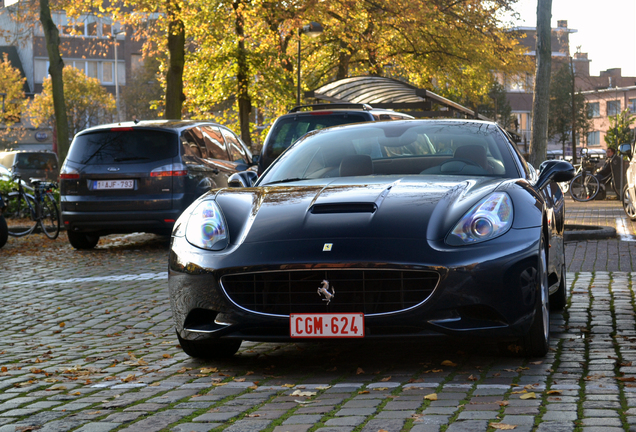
pixel 79 280
pixel 623 231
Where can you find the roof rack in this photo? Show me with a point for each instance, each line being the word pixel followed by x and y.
pixel 314 107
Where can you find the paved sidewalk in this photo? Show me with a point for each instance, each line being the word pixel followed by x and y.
pixel 86 344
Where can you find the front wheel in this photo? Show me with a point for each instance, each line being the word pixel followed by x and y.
pixel 629 203
pixel 584 187
pixel 20 214
pixel 210 350
pixel 50 221
pixel 537 341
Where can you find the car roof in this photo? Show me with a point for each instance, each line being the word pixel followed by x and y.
pixel 339 107
pixel 176 125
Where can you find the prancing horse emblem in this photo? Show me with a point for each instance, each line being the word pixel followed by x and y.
pixel 324 291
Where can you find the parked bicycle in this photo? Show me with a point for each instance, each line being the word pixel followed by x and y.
pixel 4 232
pixel 24 212
pixel 584 186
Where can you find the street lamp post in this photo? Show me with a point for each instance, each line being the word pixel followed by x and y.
pixel 114 38
pixel 312 29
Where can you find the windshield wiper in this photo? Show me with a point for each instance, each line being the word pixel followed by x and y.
pixel 130 159
pixel 285 181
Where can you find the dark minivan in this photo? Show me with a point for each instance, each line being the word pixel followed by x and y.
pixel 139 176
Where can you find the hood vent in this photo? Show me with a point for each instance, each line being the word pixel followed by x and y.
pixel 343 208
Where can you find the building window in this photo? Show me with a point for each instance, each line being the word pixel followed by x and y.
pixel 107 73
pixel 594 109
pixel 613 107
pixel 594 138
pixel 40 70
pixel 632 106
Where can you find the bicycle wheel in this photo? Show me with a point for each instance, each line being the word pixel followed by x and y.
pixel 565 187
pixel 584 188
pixel 20 214
pixel 50 217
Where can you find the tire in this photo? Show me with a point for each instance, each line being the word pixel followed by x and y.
pixel 4 232
pixel 50 221
pixel 559 299
pixel 82 240
pixel 537 341
pixel 210 350
pixel 19 214
pixel 584 189
pixel 629 203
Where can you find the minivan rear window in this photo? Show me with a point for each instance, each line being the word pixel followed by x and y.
pixel 123 147
pixel 36 161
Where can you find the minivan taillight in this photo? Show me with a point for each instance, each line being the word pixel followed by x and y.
pixel 170 170
pixel 68 173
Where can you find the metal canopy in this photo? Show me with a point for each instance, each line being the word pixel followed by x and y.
pixel 380 92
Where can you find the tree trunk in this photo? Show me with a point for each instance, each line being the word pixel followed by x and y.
pixel 176 50
pixel 541 97
pixel 244 101
pixel 56 69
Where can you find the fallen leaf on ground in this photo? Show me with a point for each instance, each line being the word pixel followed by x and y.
pixel 359 371
pixel 209 370
pixel 386 379
pixel 431 397
pixel 530 395
pixel 502 426
pixel 448 363
pixel 303 393
pixel 555 392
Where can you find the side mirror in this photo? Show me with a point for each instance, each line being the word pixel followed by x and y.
pixel 625 149
pixel 554 170
pixel 242 179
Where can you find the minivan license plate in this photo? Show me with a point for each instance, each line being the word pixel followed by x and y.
pixel 326 325
pixel 113 184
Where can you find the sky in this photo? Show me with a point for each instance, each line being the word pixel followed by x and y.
pixel 606 30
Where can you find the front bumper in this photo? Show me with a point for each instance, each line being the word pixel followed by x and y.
pixel 480 290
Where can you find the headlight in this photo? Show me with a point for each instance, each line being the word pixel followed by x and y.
pixel 489 218
pixel 206 227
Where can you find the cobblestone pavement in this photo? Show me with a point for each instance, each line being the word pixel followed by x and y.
pixel 86 344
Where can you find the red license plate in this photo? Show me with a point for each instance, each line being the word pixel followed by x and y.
pixel 327 325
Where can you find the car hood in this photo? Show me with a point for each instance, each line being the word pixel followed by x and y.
pixel 367 207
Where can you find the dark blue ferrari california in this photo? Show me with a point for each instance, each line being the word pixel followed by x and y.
pixel 398 229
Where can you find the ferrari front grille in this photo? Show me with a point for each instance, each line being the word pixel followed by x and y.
pixel 362 290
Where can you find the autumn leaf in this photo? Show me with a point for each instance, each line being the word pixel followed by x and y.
pixel 530 395
pixel 129 378
pixel 386 379
pixel 503 403
pixel 626 379
pixel 448 363
pixel 359 371
pixel 380 388
pixel 473 378
pixel 167 356
pixel 209 370
pixel 555 392
pixel 62 324
pixel 431 397
pixel 288 385
pixel 239 379
pixel 502 426
pixel 303 393
pixel 364 392
pixel 4 369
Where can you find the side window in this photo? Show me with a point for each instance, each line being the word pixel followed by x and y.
pixel 214 143
pixel 190 145
pixel 237 152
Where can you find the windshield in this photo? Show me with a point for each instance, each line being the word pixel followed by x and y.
pixel 289 129
pixel 123 146
pixel 412 147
